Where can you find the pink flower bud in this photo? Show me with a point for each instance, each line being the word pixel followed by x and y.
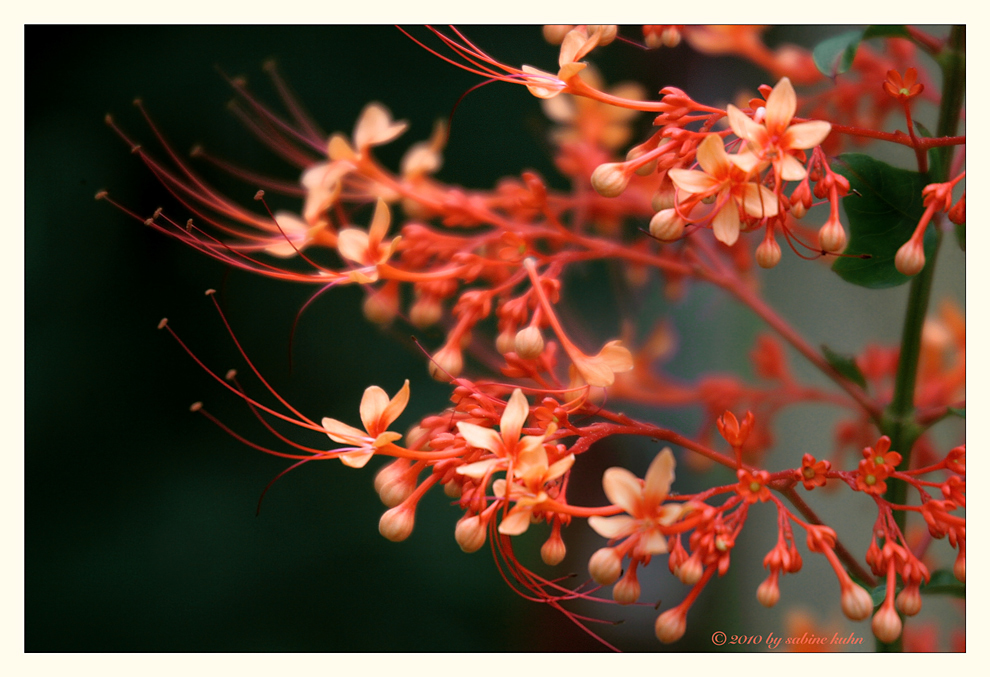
pixel 553 550
pixel 505 342
pixel 605 566
pixel 425 312
pixel 768 593
pixel 627 590
pixel 910 257
pixel 610 179
pixel 667 225
pixel 396 524
pixel 664 197
pixel 470 533
pixel 886 624
pixel 691 571
pixel 909 600
pixel 446 364
pixel 529 343
pixel 832 236
pixel 856 602
pixel 768 254
pixel 670 625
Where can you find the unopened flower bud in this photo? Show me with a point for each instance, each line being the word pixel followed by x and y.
pixel 691 571
pixel 627 590
pixel 605 566
pixel 392 476
pixel 610 179
pixel 768 593
pixel 643 170
pixel 396 524
pixel 446 364
pixel 470 533
pixel 554 33
pixel 832 236
pixel 910 258
pixel 670 625
pixel 666 225
pixel 670 37
pixel 663 198
pixel 798 210
pixel 382 306
pixel 425 312
pixel 768 254
pixel 453 489
pixel 505 342
pixel 529 343
pixel 958 212
pixel 608 32
pixel 909 600
pixel 553 550
pixel 856 602
pixel 886 624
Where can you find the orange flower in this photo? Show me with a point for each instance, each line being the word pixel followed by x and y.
pixel 642 501
pixel 378 412
pixel 368 249
pixel 725 178
pixel 576 44
pixel 904 88
pixel 776 139
pixel 508 443
pixel 531 473
pixel 374 127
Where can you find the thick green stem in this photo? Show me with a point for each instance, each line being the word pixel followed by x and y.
pixel 899 419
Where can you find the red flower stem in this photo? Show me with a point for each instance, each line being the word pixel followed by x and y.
pixel 900 137
pixel 852 565
pixel 919 153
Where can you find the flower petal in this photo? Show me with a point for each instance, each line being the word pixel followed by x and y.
pixel 623 489
pixel 543 85
pixel 356 459
pixel 758 200
pixel 516 522
pixel 653 542
pixel 791 169
pixel 692 181
pixel 616 356
pixel 481 438
pixel 478 469
pixel 372 405
pixel 379 224
pixel 805 135
pixel 375 127
pixel 726 223
pixel 712 157
pixel 513 417
pixel 745 128
pixel 395 406
pixel 781 105
pixel 559 468
pixel 343 433
pixel 659 477
pixel 612 527
pixel 352 243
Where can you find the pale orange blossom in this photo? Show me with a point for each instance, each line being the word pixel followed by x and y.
pixel 368 248
pixel 642 501
pixel 726 180
pixel 378 412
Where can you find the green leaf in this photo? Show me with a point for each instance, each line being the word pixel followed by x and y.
pixel 878 594
pixel 960 412
pixel 835 55
pixel 884 206
pixel 943 582
pixel 845 365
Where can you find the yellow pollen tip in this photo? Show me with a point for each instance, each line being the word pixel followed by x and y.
pixel 754 486
pixel 871 480
pixel 809 473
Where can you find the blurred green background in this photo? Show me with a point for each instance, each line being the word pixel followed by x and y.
pixel 140 525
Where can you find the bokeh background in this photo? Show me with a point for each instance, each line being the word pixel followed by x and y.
pixel 140 523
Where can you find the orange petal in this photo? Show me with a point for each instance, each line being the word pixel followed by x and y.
pixel 514 417
pixel 542 85
pixel 343 433
pixel 623 489
pixel 806 134
pixel 356 459
pixel 352 243
pixel 692 181
pixel 758 200
pixel 745 128
pixel 559 468
pixel 395 406
pixel 712 157
pixel 375 127
pixel 481 438
pixel 654 543
pixel 516 522
pixel 372 405
pixel 659 477
pixel 781 105
pixel 616 356
pixel 477 470
pixel 612 527
pixel 791 169
pixel 726 223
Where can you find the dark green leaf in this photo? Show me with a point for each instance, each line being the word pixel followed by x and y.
pixel 835 55
pixel 845 365
pixel 960 412
pixel 961 235
pixel 878 594
pixel 884 207
pixel 886 32
pixel 943 582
